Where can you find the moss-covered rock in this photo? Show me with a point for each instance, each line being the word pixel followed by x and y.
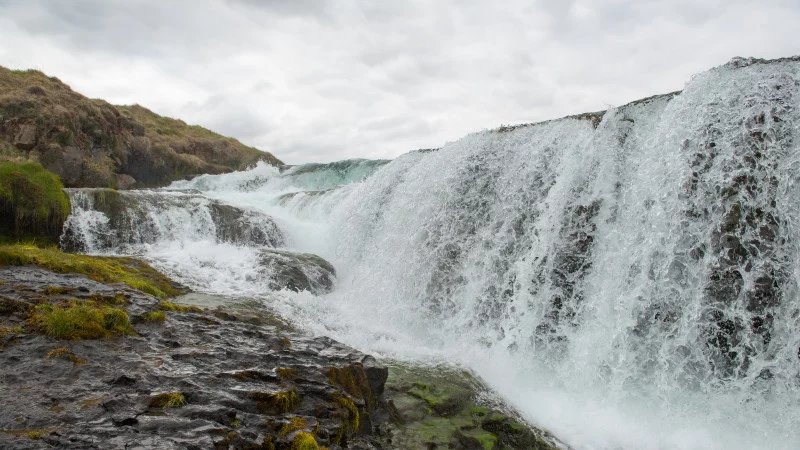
pixel 440 407
pixel 131 271
pixel 32 202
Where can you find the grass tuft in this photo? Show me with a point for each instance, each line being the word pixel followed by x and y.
pixel 167 400
pixel 79 320
pixel 130 271
pixel 169 306
pixel 154 316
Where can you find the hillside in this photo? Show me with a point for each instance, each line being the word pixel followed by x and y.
pixel 91 143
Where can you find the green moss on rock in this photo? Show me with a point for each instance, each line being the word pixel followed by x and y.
pixel 167 400
pixel 304 441
pixel 32 202
pixel 130 271
pixel 438 407
pixel 280 402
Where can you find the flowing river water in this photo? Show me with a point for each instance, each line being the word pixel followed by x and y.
pixel 626 279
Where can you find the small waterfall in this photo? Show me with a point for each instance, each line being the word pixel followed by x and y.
pixel 628 279
pixel 642 267
pixel 105 220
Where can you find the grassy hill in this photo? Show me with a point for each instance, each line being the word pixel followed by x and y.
pixel 91 143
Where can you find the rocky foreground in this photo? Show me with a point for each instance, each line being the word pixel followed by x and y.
pixel 171 376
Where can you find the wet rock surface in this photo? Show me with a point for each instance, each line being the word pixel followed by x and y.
pixel 231 376
pixel 445 407
pixel 199 379
pixel 297 271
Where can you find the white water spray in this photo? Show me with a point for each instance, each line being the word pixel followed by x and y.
pixel 629 282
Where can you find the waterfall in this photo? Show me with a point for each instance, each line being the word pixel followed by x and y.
pixel 627 279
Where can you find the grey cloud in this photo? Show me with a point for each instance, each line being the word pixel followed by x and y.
pixel 319 80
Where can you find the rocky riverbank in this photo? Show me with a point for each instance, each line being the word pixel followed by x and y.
pixel 161 375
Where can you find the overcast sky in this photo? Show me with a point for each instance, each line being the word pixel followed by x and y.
pixel 314 80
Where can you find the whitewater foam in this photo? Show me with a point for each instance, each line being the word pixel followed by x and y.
pixel 627 283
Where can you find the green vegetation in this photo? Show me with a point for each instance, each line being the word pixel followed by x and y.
pixel 57 290
pixel 169 306
pixel 167 400
pixel 32 202
pixel 34 434
pixel 286 373
pixel 351 423
pixel 57 352
pixel 4 331
pixel 79 320
pixel 30 433
pixel 438 407
pixel 304 441
pixel 295 423
pixel 353 380
pixel 281 402
pixel 130 271
pixel 154 316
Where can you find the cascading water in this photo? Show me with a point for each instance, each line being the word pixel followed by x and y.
pixel 627 279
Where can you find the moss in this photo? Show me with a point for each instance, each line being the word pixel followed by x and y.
pixel 167 400
pixel 445 401
pixel 281 402
pixel 351 423
pixel 130 271
pixel 30 433
pixel 79 320
pixel 353 380
pixel 56 352
pixel 34 435
pixel 486 440
pixel 286 373
pixel 154 316
pixel 169 306
pixel 57 290
pixel 11 330
pixel 32 202
pixel 304 441
pixel 437 431
pixel 295 423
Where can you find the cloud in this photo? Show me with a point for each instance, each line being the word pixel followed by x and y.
pixel 312 80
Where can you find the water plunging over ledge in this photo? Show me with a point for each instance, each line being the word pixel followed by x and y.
pixel 626 279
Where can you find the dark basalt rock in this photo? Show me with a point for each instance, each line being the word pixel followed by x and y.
pixel 243 379
pixel 230 377
pixel 297 271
